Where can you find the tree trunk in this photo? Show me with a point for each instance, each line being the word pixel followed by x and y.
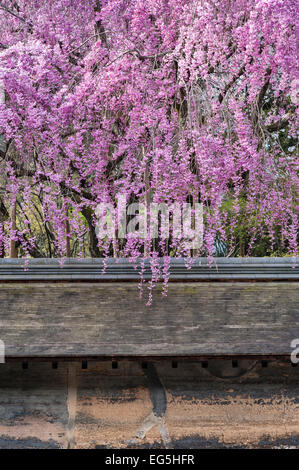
pixel 13 252
pixel 67 234
pixel 93 241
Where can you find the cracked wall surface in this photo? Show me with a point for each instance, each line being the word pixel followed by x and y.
pixel 155 405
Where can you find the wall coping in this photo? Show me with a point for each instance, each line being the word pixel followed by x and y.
pixel 90 269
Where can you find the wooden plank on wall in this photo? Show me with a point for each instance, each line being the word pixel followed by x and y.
pixel 95 319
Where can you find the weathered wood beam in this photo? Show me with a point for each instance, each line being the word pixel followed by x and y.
pixel 108 319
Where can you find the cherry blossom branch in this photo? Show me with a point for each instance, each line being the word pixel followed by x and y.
pixel 13 13
pixel 139 55
pixel 16 15
pixel 277 126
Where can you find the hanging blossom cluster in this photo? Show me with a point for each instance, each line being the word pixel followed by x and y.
pixel 158 100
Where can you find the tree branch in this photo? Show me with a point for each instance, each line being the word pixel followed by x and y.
pixel 233 80
pixel 99 28
pixel 277 126
pixel 16 15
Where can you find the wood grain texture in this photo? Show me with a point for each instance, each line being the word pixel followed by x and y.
pixel 94 319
